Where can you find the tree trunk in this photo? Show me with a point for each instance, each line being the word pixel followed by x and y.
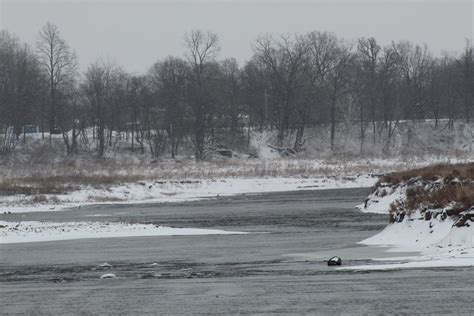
pixel 298 145
pixel 101 137
pixel 362 129
pixel 333 121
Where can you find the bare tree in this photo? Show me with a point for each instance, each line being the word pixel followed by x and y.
pixel 59 63
pixel 323 58
pixel 286 63
pixel 232 109
pixel 466 68
pixel 255 94
pixel 435 85
pixel 169 82
pixel 20 85
pixel 338 80
pixel 368 51
pixel 69 121
pixel 415 61
pixel 447 89
pixel 202 49
pixel 389 77
pixel 98 87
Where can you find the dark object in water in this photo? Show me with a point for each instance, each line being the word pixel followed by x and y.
pixel 334 261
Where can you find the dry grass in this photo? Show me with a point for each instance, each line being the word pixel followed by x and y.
pixel 97 198
pixel 39 186
pixel 447 171
pixel 460 197
pixel 31 179
pixel 68 175
pixel 45 183
pixel 39 199
pixel 463 196
pixel 43 199
pixel 457 195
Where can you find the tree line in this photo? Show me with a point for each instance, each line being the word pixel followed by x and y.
pixel 291 82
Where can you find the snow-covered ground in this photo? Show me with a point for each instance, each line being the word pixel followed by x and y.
pixel 414 144
pixel 380 200
pixel 408 138
pixel 32 231
pixel 412 138
pixel 178 191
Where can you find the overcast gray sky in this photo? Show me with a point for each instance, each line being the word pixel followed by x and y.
pixel 135 34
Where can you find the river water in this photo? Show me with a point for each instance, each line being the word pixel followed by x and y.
pixel 277 268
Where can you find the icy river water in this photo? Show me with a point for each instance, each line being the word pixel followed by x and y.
pixel 277 268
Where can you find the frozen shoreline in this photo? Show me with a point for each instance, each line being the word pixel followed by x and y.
pixel 180 191
pixel 452 247
pixel 440 239
pixel 32 231
pixel 152 192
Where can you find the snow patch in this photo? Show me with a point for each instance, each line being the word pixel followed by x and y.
pixel 379 201
pixel 32 231
pixel 440 243
pixel 412 234
pixel 108 276
pixel 421 262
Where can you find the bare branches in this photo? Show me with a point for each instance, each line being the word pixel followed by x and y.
pixel 59 64
pixel 20 85
pixel 286 63
pixel 169 86
pixel 414 61
pixel 101 80
pixel 55 56
pixel 292 82
pixel 201 48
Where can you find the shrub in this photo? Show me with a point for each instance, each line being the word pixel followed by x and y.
pixel 39 199
pixel 456 196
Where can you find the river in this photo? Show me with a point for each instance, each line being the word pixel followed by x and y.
pixel 278 267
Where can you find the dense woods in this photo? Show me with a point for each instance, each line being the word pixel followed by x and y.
pixel 291 83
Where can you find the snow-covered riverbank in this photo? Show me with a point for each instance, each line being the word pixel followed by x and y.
pixel 32 231
pixel 439 244
pixel 147 192
pixel 177 191
pixel 443 236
